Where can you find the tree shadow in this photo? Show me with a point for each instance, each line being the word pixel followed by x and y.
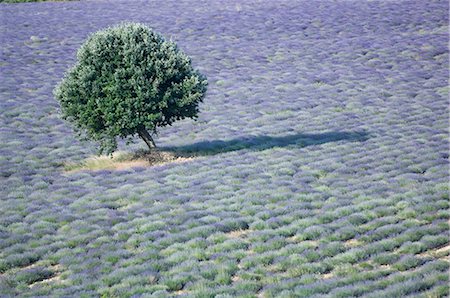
pixel 258 143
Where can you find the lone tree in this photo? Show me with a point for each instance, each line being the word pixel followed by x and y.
pixel 128 80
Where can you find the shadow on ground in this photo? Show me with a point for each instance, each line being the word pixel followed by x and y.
pixel 163 155
pixel 258 143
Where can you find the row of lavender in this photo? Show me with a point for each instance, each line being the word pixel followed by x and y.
pixel 322 168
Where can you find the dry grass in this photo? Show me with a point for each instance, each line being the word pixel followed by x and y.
pixel 235 278
pixel 122 160
pixel 181 292
pixel 238 233
pixel 327 275
pixel 445 249
pixel 353 243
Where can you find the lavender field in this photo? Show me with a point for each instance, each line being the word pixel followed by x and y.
pixel 321 156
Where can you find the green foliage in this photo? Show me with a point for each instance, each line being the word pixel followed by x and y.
pixel 33 275
pixel 128 79
pixel 407 262
pixel 386 258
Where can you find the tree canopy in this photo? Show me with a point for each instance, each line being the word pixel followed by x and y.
pixel 128 80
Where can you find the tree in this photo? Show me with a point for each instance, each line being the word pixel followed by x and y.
pixel 127 81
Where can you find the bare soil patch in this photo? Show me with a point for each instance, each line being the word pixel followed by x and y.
pixel 124 160
pixel 238 233
pixel 442 253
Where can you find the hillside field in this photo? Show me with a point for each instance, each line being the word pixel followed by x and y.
pixel 318 167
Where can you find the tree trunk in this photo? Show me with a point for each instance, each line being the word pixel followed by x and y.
pixel 143 133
